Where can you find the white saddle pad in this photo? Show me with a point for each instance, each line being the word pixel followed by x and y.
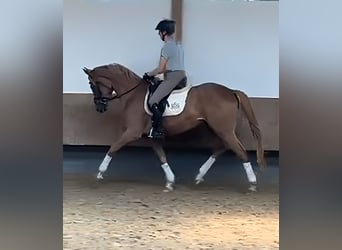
pixel 176 100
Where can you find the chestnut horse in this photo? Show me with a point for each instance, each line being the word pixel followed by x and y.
pixel 214 104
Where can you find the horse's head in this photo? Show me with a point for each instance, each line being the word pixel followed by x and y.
pixel 102 89
pixel 110 81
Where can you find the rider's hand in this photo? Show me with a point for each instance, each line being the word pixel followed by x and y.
pixel 147 77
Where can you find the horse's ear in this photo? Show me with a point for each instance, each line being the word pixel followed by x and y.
pixel 87 71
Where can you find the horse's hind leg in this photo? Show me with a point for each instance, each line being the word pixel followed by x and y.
pixel 169 175
pixel 103 167
pixel 232 142
pixel 207 165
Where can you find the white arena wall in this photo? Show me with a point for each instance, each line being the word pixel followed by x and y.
pixel 234 43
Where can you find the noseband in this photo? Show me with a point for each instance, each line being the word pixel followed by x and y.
pixel 98 98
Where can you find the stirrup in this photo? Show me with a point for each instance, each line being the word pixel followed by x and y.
pixel 155 134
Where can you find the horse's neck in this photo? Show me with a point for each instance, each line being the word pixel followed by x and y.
pixel 132 84
pixel 138 90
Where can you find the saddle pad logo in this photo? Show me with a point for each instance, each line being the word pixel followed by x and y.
pixel 175 105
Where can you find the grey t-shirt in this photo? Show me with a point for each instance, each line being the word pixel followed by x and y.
pixel 174 54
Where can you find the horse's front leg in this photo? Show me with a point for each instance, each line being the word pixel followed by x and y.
pixel 169 175
pixel 127 137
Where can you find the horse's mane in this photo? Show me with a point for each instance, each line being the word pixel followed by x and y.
pixel 115 70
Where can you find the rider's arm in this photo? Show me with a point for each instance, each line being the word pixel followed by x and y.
pixel 165 53
pixel 160 69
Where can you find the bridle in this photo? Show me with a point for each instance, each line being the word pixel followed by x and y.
pixel 99 99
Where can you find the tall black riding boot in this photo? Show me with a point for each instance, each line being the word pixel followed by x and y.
pixel 157 128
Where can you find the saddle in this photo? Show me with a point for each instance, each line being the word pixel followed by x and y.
pixel 154 85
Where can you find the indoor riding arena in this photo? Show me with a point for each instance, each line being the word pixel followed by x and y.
pixel 130 208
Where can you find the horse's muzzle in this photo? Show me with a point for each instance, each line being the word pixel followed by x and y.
pixel 101 108
pixel 101 104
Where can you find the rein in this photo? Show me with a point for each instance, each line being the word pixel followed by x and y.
pixel 118 96
pixel 106 99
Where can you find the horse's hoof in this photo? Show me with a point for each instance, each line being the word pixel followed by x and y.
pixel 99 176
pixel 252 188
pixel 168 187
pixel 198 180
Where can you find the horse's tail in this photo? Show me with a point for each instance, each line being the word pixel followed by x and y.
pixel 253 124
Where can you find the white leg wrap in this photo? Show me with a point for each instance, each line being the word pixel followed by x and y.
pixel 205 167
pixel 249 172
pixel 170 177
pixel 104 165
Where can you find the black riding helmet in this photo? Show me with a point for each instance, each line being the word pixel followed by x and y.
pixel 166 25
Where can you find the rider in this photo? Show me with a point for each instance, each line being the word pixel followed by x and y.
pixel 172 65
